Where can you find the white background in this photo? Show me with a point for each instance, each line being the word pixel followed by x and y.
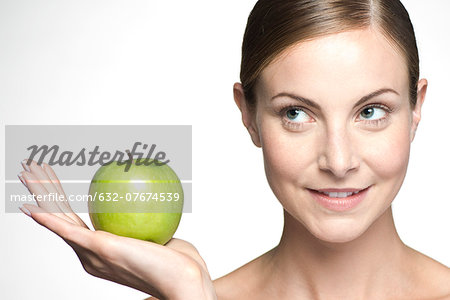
pixel 174 62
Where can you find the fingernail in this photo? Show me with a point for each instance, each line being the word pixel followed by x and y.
pixel 25 211
pixel 21 179
pixel 25 166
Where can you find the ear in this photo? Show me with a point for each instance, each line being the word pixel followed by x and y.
pixel 248 116
pixel 416 113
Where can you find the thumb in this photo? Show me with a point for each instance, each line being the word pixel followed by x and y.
pixel 187 249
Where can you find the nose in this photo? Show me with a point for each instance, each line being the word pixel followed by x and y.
pixel 337 155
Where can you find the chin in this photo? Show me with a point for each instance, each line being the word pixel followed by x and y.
pixel 338 230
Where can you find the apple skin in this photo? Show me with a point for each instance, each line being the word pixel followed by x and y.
pixel 149 220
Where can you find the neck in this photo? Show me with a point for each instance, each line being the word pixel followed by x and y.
pixel 344 270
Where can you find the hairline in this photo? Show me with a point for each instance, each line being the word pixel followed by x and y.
pixel 374 25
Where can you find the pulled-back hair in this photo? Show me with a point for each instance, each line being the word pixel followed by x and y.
pixel 275 25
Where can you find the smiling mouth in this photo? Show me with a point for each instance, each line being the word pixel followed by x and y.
pixel 339 194
pixel 339 199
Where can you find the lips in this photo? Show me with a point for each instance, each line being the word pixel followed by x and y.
pixel 339 194
pixel 339 199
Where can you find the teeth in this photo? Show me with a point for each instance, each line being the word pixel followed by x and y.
pixel 339 194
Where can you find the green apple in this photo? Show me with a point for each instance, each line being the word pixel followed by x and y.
pixel 143 201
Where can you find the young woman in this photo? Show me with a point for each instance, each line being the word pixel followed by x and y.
pixel 330 91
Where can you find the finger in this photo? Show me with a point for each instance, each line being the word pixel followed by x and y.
pixel 54 179
pixel 51 203
pixel 41 195
pixel 187 249
pixel 40 175
pixel 64 204
pixel 37 190
pixel 25 211
pixel 70 232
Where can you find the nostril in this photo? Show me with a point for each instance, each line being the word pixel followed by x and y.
pixel 338 167
pixel 337 155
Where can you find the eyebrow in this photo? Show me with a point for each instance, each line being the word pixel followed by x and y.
pixel 313 104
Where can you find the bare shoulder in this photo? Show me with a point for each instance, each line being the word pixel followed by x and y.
pixel 230 287
pixel 431 277
pixel 425 279
pixel 246 282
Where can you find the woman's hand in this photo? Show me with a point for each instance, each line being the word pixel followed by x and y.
pixel 173 271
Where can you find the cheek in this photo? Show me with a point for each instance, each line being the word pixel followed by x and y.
pixel 387 152
pixel 276 161
pixel 286 156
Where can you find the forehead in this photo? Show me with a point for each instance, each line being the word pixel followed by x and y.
pixel 343 65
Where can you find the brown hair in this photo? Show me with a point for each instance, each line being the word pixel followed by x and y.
pixel 275 25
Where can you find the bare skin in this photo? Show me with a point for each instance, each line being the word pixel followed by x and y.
pixel 323 253
pixel 172 271
pixel 282 273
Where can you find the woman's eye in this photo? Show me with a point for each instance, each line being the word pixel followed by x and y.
pixel 372 113
pixel 297 115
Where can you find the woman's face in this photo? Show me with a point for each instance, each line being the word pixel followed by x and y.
pixel 333 117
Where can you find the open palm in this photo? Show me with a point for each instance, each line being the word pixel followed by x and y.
pixel 173 271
